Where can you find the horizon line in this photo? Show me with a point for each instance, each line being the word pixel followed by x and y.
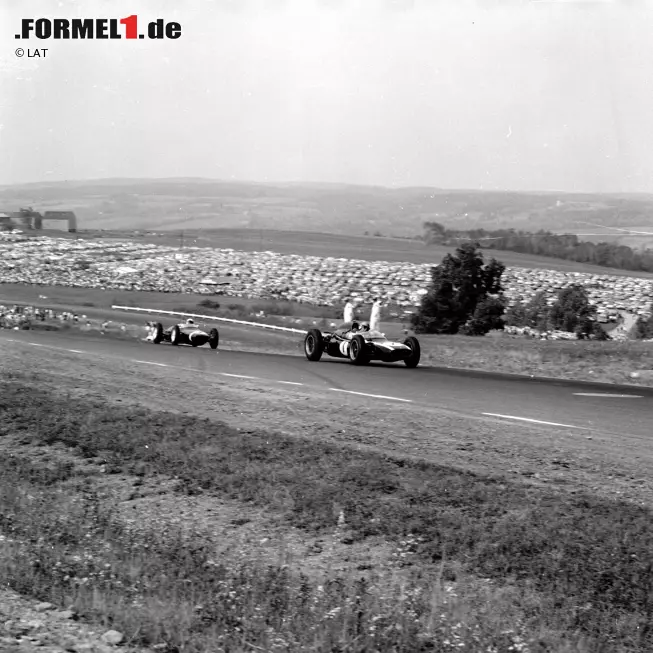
pixel 291 182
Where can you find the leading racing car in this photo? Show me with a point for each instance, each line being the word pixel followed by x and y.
pixel 360 346
pixel 184 334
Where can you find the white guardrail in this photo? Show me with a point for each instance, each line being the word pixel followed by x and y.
pixel 210 318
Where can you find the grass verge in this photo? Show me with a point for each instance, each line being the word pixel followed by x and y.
pixel 583 360
pixel 609 362
pixel 575 569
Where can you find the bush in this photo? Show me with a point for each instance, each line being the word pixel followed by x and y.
pixel 572 311
pixel 537 312
pixel 487 317
pixel 209 303
pixel 515 315
pixel 271 308
pixel 644 327
pixel 44 326
pixel 599 333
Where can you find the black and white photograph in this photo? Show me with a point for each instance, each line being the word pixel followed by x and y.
pixel 326 326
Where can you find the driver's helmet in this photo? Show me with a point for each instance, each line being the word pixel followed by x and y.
pixel 365 326
pixel 355 326
pixel 190 321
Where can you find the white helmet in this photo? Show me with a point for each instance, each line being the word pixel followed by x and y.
pixel 190 321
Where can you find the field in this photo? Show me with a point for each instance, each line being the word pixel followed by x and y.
pixel 175 204
pixel 235 517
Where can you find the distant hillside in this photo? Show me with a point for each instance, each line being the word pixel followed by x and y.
pixel 174 204
pixel 546 243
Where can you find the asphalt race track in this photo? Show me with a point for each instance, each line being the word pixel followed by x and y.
pixel 583 408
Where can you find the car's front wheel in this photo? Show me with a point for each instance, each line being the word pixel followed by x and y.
pixel 214 338
pixel 158 333
pixel 358 351
pixel 175 335
pixel 314 345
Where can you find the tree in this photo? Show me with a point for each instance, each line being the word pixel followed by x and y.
pixel 644 327
pixel 458 286
pixel 538 312
pixel 598 332
pixel 534 314
pixel 516 315
pixel 545 243
pixel 434 232
pixel 573 312
pixel 487 316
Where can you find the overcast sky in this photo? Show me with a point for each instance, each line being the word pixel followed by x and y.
pixel 538 95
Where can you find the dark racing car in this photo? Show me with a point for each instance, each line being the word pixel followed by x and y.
pixel 360 345
pixel 184 334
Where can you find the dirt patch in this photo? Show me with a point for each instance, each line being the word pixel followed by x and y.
pixel 238 531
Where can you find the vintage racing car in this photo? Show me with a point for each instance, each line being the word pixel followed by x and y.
pixel 360 346
pixel 183 334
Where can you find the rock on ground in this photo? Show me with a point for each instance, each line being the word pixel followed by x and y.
pixel 28 626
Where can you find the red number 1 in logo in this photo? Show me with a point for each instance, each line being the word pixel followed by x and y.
pixel 130 26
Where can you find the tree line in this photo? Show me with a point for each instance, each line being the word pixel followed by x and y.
pixel 545 243
pixel 466 296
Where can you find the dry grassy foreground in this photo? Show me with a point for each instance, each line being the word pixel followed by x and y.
pixel 244 518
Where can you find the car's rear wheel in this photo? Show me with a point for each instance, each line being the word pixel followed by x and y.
pixel 214 338
pixel 358 351
pixel 314 345
pixel 175 335
pixel 158 333
pixel 412 360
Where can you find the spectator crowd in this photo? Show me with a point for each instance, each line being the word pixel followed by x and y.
pixel 322 281
pixel 21 317
pixel 26 316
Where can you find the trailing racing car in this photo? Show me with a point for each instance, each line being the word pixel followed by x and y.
pixel 360 345
pixel 186 333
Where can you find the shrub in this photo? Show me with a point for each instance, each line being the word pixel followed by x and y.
pixel 209 303
pixel 644 327
pixel 573 312
pixel 487 317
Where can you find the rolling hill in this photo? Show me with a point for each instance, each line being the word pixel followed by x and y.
pixel 175 204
